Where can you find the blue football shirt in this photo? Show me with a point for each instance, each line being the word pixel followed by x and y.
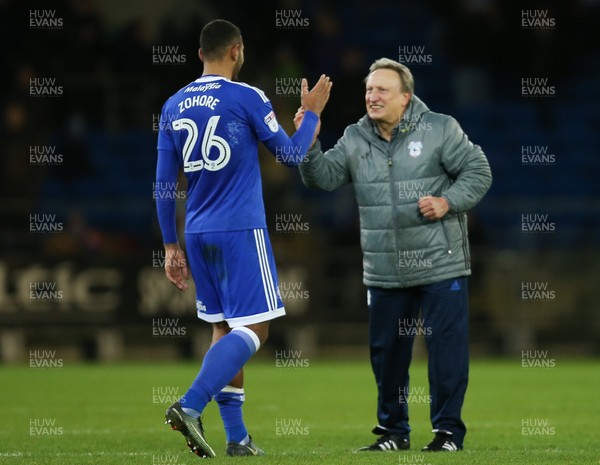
pixel 211 129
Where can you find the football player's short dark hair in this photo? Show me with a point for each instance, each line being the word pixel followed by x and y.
pixel 216 36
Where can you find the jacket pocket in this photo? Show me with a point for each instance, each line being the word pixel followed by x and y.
pixel 447 246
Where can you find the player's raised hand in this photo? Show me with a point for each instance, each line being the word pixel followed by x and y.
pixel 315 99
pixel 176 267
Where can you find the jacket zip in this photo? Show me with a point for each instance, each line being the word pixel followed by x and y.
pixel 448 249
pixel 390 151
pixel 465 246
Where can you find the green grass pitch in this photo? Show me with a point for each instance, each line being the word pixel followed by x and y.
pixel 316 414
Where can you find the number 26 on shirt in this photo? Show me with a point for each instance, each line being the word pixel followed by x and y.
pixel 209 140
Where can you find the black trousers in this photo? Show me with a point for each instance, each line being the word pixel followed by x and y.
pixel 394 322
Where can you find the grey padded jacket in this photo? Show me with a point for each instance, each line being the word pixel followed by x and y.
pixel 428 154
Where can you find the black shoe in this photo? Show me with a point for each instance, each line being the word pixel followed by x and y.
pixel 191 428
pixel 235 449
pixel 387 442
pixel 442 442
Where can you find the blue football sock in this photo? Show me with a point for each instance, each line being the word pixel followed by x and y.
pixel 230 402
pixel 221 363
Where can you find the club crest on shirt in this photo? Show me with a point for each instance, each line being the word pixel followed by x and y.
pixel 414 148
pixel 271 121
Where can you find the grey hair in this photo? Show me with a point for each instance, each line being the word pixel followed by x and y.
pixel 406 78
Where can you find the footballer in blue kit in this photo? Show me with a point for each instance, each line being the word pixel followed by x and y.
pixel 210 130
pixel 228 246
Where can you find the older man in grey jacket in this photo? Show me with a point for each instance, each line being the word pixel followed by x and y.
pixel 415 174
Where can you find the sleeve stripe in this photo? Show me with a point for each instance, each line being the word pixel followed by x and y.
pixel 261 94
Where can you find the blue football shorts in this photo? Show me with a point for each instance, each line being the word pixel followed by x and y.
pixel 235 277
